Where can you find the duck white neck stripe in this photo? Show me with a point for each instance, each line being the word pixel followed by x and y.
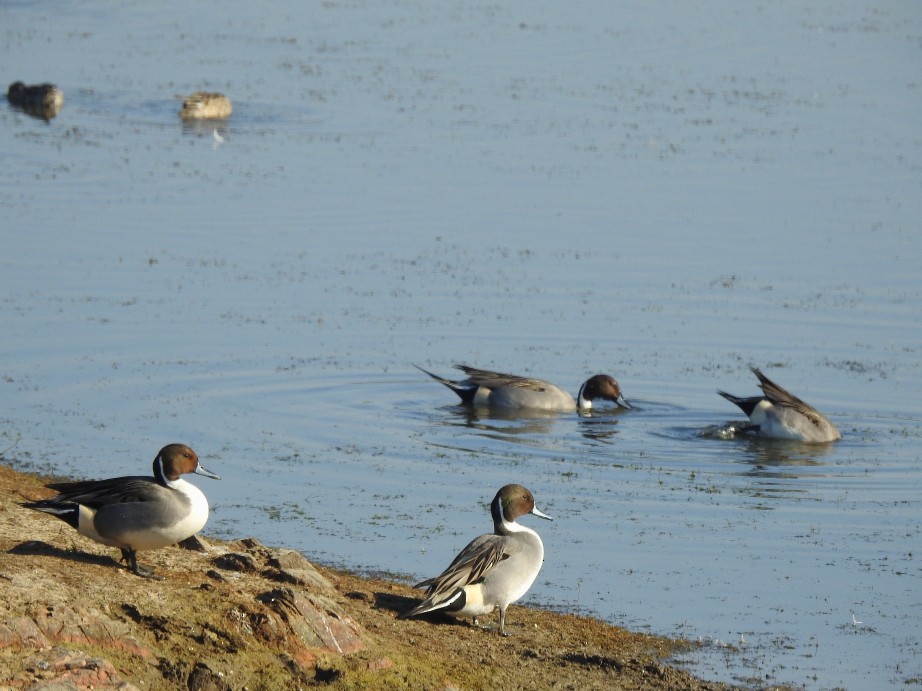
pixel 160 474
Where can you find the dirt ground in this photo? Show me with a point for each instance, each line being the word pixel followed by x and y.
pixel 242 616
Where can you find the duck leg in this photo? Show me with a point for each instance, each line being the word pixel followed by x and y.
pixel 502 622
pixel 130 557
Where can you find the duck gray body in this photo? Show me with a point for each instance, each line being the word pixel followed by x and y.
pixel 492 570
pixel 499 390
pixel 779 414
pixel 135 513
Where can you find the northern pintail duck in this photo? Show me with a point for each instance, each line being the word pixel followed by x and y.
pixel 206 105
pixel 135 513
pixel 779 414
pixel 41 100
pixel 493 570
pixel 495 389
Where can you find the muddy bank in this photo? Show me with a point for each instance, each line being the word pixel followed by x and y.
pixel 240 615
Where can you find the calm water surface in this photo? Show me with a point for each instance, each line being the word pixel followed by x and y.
pixel 665 194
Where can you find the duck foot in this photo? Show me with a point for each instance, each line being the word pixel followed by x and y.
pixel 130 557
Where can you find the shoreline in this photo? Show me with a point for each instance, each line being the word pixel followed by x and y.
pixel 241 615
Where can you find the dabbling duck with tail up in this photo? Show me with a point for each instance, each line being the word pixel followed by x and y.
pixel 779 414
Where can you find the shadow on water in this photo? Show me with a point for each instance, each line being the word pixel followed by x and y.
pixel 519 427
pixel 779 468
pixel 527 427
pixel 601 425
pixel 767 453
pixel 205 128
pixel 774 467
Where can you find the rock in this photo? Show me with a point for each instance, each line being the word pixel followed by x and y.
pixel 290 566
pixel 216 576
pixel 196 543
pixel 63 624
pixel 282 565
pixel 244 544
pixel 64 668
pixel 203 678
pixel 235 561
pixel 22 632
pixel 380 663
pixel 307 578
pixel 289 559
pixel 315 624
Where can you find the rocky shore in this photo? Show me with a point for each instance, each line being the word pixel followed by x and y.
pixel 241 615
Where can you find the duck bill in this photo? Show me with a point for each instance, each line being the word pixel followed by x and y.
pixel 541 514
pixel 624 404
pixel 207 473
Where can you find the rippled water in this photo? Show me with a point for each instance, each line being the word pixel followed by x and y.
pixel 669 196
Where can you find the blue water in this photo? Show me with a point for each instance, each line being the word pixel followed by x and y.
pixel 666 193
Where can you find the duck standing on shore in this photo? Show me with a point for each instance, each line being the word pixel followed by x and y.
pixel 135 513
pixel 493 570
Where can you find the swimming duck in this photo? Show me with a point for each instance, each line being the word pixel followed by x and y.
pixel 495 389
pixel 40 100
pixel 206 105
